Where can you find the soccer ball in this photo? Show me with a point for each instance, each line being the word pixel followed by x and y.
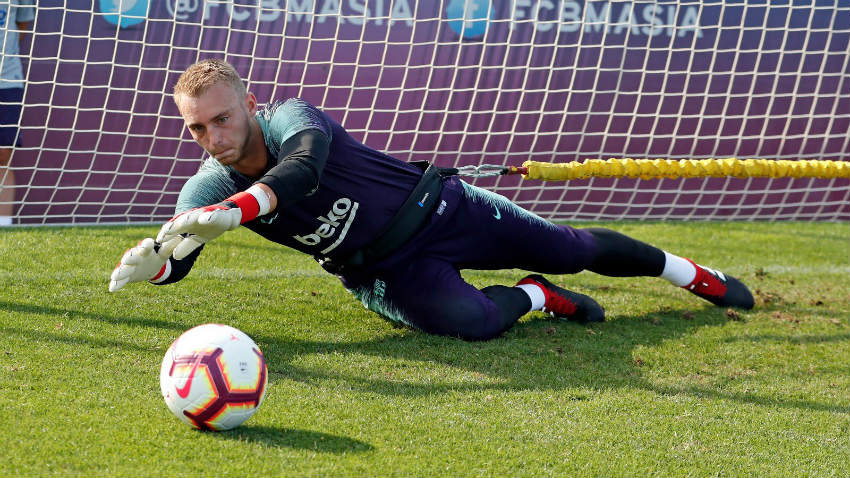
pixel 213 377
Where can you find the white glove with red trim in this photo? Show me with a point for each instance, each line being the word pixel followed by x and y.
pixel 147 261
pixel 198 226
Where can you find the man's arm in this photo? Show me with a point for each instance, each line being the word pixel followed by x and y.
pixel 296 176
pixel 155 261
pixel 24 16
pixel 23 36
pixel 301 161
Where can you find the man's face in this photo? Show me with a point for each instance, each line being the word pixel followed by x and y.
pixel 220 121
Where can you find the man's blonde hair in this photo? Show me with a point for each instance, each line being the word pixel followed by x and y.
pixel 199 77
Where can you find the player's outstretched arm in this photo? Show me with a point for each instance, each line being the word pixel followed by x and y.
pixel 147 261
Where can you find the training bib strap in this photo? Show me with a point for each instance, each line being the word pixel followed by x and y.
pixel 406 222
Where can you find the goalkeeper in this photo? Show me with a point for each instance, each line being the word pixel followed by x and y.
pixel 395 233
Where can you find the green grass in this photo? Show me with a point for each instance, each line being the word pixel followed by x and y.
pixel 669 386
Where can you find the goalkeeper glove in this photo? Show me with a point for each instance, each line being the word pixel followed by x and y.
pixel 201 225
pixel 147 261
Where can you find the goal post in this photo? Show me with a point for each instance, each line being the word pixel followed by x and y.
pixel 456 82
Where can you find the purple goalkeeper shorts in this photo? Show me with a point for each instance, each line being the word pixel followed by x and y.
pixel 10 114
pixel 420 285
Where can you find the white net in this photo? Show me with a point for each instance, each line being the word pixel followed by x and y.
pixel 454 82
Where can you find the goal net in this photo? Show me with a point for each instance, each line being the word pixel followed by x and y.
pixel 454 82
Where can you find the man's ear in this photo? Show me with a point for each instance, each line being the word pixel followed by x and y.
pixel 251 103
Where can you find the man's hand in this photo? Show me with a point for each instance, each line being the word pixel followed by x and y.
pixel 141 263
pixel 198 226
pixel 201 225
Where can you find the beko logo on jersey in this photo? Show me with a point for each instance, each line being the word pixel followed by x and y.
pixel 343 209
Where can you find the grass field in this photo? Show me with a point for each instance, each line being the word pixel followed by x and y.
pixel 669 386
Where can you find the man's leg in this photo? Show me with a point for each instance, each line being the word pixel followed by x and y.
pixel 430 295
pixel 618 255
pixel 10 114
pixel 7 187
pixel 494 233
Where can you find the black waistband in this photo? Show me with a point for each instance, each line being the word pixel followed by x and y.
pixel 406 222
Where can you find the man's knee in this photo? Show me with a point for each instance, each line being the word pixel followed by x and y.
pixel 485 316
pixel 469 318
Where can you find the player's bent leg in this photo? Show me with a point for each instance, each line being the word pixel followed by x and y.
pixel 431 296
pixel 511 302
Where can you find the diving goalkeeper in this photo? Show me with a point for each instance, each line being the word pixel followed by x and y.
pixel 396 234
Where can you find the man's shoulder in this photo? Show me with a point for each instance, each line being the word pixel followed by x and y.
pixel 282 119
pixel 293 104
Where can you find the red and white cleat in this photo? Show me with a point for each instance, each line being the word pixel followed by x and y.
pixel 719 288
pixel 566 304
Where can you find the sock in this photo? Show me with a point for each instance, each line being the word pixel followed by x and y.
pixel 538 299
pixel 678 270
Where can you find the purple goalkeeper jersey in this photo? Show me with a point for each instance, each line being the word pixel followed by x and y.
pixel 359 190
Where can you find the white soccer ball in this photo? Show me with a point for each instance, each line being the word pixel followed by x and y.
pixel 213 377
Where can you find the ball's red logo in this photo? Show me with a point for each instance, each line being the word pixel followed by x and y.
pixel 183 391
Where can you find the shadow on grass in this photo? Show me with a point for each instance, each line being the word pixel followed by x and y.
pixel 60 313
pixel 536 354
pixel 791 339
pixel 65 314
pixel 38 335
pixel 298 439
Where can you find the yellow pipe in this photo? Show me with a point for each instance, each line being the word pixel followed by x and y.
pixel 686 168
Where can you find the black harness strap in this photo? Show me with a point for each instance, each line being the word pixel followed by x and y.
pixel 406 222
